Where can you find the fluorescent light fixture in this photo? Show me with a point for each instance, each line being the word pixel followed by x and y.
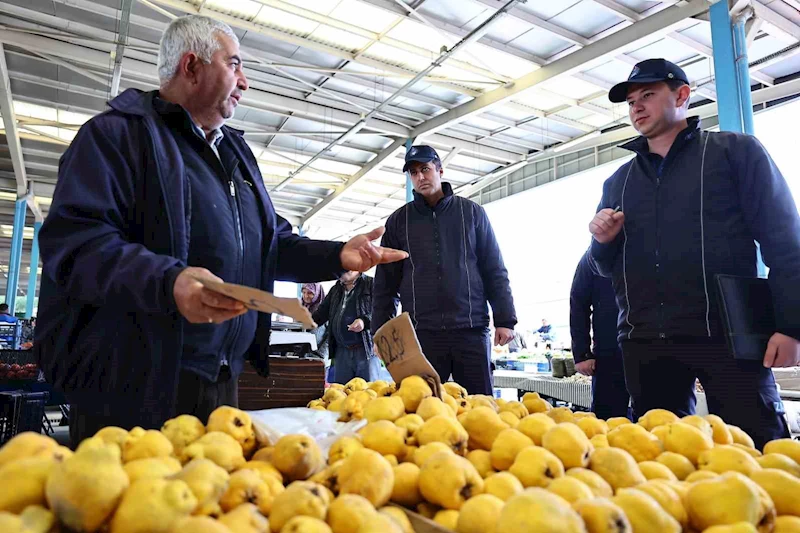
pixel 576 141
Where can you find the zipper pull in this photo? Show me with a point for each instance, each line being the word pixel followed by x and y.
pixel 233 188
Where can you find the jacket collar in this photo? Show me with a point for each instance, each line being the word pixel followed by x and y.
pixel 639 144
pixel 420 202
pixel 140 103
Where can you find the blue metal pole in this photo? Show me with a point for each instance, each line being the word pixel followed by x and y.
pixel 727 83
pixel 743 76
pixel 12 283
pixel 34 270
pixel 746 103
pixel 409 185
pixel 732 81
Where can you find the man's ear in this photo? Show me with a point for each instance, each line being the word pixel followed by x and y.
pixel 189 66
pixel 684 95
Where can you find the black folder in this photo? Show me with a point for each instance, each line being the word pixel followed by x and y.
pixel 748 315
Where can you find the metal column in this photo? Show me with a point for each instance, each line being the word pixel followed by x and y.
pixel 743 75
pixel 34 270
pixel 727 81
pixel 12 283
pixel 732 75
pixel 409 185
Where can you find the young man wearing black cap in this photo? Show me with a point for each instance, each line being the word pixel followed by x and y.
pixel 454 268
pixel 689 206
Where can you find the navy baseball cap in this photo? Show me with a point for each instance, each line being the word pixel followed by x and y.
pixel 421 154
pixel 647 71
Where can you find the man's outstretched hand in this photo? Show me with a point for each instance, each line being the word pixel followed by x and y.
pixel 360 254
pixel 199 305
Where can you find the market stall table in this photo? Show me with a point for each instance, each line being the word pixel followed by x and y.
pixel 574 392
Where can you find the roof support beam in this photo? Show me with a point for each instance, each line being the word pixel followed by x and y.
pixel 610 45
pixel 444 56
pixel 122 39
pixel 10 125
pixel 530 18
pixel 776 24
pixel 706 51
pixel 760 96
pixel 365 171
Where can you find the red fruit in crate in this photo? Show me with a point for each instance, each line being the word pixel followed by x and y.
pixel 30 366
pixel 15 367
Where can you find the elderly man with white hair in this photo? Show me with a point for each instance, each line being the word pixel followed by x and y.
pixel 151 195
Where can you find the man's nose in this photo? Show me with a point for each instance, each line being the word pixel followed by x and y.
pixel 243 84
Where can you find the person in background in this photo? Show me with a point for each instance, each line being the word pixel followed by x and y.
pixel 517 343
pixel 153 195
pixel 454 268
pixel 593 314
pixel 312 296
pixel 6 316
pixel 347 311
pixel 690 205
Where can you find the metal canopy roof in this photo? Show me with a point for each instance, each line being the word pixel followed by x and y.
pixel 336 86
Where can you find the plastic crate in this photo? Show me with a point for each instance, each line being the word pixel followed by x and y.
pixel 19 412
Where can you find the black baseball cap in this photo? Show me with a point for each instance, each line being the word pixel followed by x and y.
pixel 421 154
pixel 647 71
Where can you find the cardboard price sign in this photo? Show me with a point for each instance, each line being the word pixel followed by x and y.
pixel 397 345
pixel 261 301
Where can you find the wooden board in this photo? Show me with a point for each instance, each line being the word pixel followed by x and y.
pixel 293 382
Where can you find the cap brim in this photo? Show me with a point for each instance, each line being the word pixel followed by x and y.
pixel 417 160
pixel 619 92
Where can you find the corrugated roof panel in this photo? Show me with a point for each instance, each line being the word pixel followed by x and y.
pixel 700 72
pixel 639 5
pixel 338 38
pixel 363 15
pixel 612 71
pixel 243 9
pixel 700 32
pixel 398 57
pixel 275 18
pixel 504 30
pixel 587 19
pixel 550 8
pixel 784 68
pixel 540 42
pixel 421 35
pixel 570 87
pixel 669 49
pixel 319 6
pixel 538 100
pixel 456 12
pixel 500 62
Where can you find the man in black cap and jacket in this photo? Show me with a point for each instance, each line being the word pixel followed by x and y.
pixel 593 316
pixel 454 267
pixel 689 206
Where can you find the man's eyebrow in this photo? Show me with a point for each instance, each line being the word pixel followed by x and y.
pixel 236 57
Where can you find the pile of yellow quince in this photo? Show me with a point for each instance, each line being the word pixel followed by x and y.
pixel 473 464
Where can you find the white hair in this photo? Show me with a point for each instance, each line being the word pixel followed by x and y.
pixel 193 33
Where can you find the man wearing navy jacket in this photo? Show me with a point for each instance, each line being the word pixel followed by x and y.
pixel 454 268
pixel 593 316
pixel 151 195
pixel 689 206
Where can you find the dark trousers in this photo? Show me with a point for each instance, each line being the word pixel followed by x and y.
pixel 463 353
pixel 196 396
pixel 352 362
pixel 610 396
pixel 661 374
